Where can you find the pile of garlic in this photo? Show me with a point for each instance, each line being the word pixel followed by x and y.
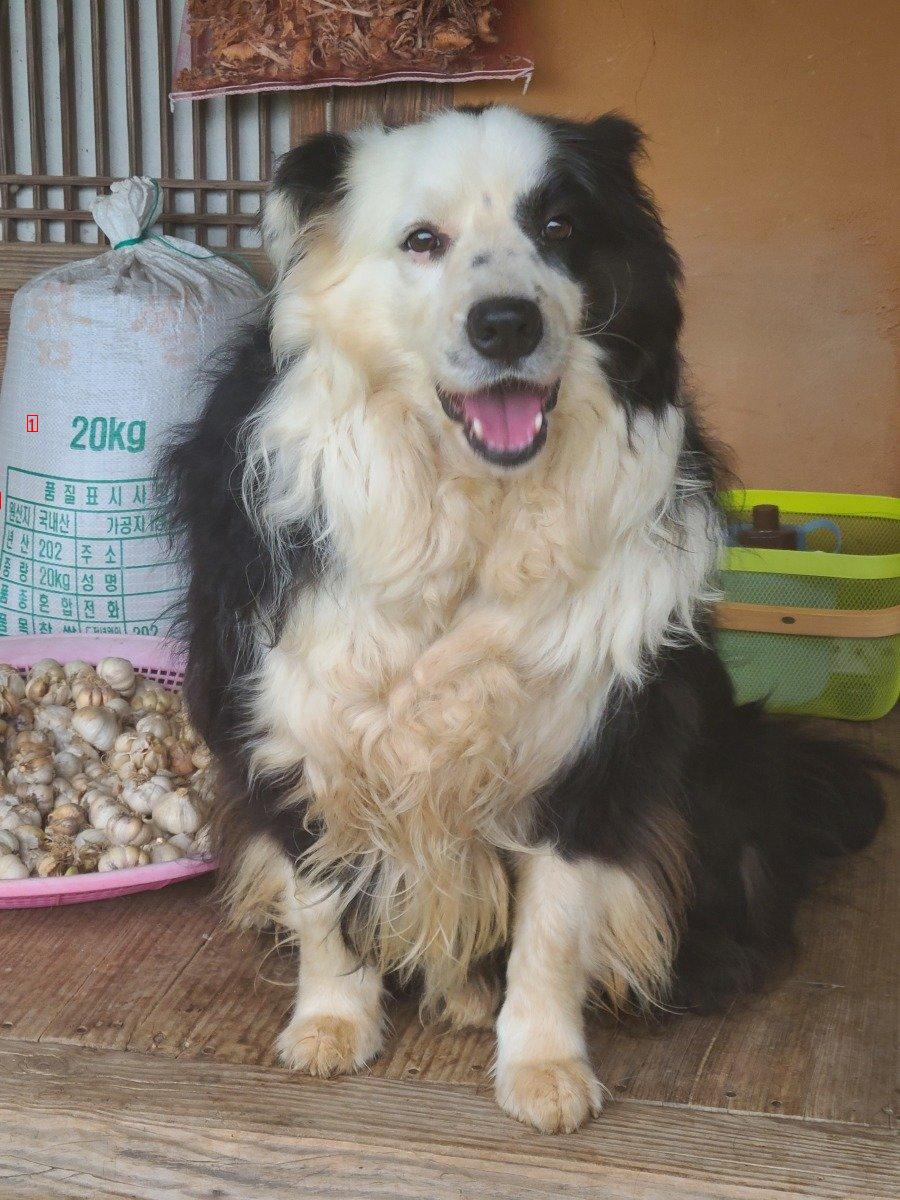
pixel 100 769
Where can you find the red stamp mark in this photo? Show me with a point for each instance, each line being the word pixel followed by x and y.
pixel 31 422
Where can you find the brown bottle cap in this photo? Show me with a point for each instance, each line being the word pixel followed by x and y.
pixel 766 517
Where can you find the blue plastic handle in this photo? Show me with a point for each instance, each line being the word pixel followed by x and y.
pixel 819 523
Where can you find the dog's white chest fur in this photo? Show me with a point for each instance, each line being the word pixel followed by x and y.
pixel 468 655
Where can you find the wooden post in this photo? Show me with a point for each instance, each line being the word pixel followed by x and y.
pixel 343 108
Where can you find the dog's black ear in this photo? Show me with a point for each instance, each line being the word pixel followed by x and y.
pixel 616 140
pixel 598 152
pixel 308 180
pixel 631 272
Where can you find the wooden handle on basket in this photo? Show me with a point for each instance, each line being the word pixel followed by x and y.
pixel 816 622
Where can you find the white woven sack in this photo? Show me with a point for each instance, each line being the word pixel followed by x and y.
pixel 104 357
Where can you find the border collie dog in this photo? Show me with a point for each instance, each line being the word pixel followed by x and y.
pixel 451 526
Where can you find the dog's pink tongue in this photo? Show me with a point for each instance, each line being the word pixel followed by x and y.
pixel 507 422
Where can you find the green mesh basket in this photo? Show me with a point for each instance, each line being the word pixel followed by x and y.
pixel 811 630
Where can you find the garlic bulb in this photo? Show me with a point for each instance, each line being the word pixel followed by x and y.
pixel 202 844
pixel 92 836
pixel 47 666
pixel 63 791
pixel 119 674
pixel 30 837
pixel 27 813
pixel 24 718
pixel 77 666
pixel 98 726
pixel 74 743
pixel 45 689
pixel 80 784
pixel 11 681
pixel 9 703
pixel 163 852
pixel 85 859
pixel 202 757
pixel 12 867
pixel 155 725
pixel 126 829
pixel 9 843
pixel 31 856
pixel 121 708
pixel 94 792
pixel 41 795
pixel 52 862
pixel 103 810
pixel 118 858
pixel 97 772
pixel 181 757
pixel 31 766
pixel 98 800
pixel 67 765
pixel 137 754
pixel 149 697
pixel 163 781
pixel 67 820
pixel 28 739
pixel 90 691
pixel 184 841
pixel 141 795
pixel 176 812
pixel 66 826
pixel 52 718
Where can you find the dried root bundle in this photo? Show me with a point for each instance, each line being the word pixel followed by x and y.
pixel 244 40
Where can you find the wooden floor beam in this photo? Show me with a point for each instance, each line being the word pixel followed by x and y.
pixel 86 1123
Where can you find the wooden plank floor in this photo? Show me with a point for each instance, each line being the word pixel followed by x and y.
pixel 136 1061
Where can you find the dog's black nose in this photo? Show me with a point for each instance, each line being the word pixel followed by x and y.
pixel 504 327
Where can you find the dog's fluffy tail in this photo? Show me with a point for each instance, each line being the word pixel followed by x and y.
pixel 785 799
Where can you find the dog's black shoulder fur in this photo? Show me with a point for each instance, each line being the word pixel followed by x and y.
pixel 234 578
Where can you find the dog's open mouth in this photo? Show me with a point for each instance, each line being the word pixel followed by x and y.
pixel 506 423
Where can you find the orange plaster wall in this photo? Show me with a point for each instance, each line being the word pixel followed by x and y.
pixel 773 151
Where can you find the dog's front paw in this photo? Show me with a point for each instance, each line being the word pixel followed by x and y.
pixel 321 1044
pixel 554 1097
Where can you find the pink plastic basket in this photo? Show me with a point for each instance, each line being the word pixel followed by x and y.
pixel 157 659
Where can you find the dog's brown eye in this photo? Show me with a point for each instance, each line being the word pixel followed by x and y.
pixel 557 229
pixel 425 241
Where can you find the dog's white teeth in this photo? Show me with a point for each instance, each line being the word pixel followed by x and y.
pixel 478 429
pixel 538 422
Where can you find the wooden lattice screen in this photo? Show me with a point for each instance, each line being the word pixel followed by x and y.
pixel 36 216
pixel 44 217
pixel 34 201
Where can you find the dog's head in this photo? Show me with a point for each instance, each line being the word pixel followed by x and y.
pixel 489 248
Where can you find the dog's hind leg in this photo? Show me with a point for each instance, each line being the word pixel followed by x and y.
pixel 336 1023
pixel 473 1004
